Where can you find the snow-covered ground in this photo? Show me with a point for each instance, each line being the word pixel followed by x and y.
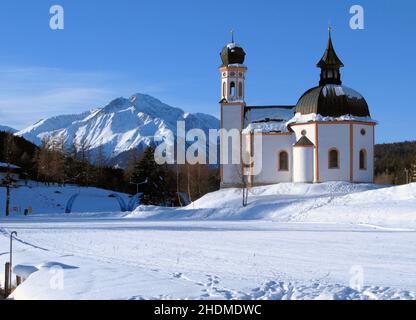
pixel 53 199
pixel 291 242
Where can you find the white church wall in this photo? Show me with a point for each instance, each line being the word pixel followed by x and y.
pixel 272 145
pixel 303 164
pixel 231 118
pixel 363 142
pixel 334 136
pixel 307 128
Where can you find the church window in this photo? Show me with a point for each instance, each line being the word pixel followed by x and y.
pixel 283 161
pixel 232 89
pixel 363 159
pixel 363 132
pixel 224 89
pixel 333 159
pixel 304 133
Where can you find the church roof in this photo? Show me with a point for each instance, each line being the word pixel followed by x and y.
pixel 268 113
pixel 267 118
pixel 232 53
pixel 330 58
pixel 333 101
pixel 304 142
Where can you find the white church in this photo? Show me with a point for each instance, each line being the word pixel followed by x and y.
pixel 327 136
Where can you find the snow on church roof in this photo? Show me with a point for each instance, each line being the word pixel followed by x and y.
pixel 305 118
pixel 278 119
pixel 263 127
pixel 267 118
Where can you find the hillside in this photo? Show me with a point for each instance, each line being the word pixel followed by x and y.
pixel 7 129
pixel 392 159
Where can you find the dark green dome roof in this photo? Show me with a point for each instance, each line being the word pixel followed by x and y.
pixel 232 54
pixel 333 101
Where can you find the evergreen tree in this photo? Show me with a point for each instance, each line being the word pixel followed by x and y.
pixel 155 181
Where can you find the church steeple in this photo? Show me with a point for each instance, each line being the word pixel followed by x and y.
pixel 330 65
pixel 232 72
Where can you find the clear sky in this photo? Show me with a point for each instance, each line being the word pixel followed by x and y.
pixel 170 49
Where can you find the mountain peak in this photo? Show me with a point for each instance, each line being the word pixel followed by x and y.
pixel 120 126
pixel 142 97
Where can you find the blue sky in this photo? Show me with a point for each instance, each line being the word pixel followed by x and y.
pixel 170 49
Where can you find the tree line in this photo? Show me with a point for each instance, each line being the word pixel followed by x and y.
pixel 54 162
pixel 392 159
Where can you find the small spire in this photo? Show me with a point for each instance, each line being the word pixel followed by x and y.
pixel 232 36
pixel 330 64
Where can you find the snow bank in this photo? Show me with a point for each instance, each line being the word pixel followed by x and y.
pixel 334 202
pixel 24 271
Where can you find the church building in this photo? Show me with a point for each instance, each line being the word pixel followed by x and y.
pixel 327 136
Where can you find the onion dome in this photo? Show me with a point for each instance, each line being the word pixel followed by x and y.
pixel 333 101
pixel 232 53
pixel 331 98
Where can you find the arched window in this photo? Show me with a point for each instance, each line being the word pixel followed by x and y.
pixel 232 89
pixel 283 161
pixel 333 159
pixel 363 159
pixel 240 89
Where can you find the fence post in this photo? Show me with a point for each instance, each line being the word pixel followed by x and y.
pixel 18 281
pixel 6 280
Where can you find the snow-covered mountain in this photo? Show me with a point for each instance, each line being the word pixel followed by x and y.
pixel 122 125
pixel 7 129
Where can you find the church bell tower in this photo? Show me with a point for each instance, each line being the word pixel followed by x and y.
pixel 233 104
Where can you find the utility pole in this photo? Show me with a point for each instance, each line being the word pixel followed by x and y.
pixel 7 200
pixel 13 234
